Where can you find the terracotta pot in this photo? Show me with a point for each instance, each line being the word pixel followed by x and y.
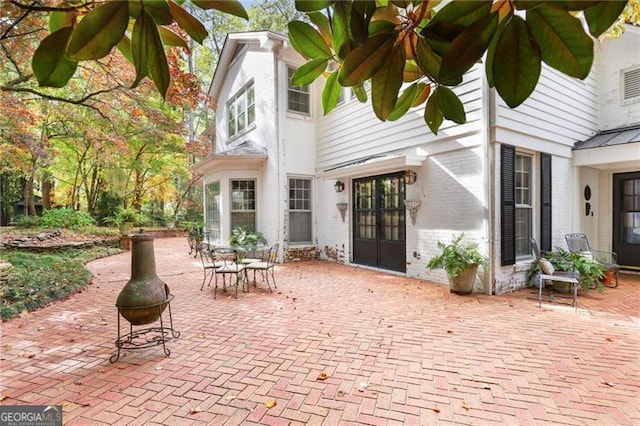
pixel 463 282
pixel 608 278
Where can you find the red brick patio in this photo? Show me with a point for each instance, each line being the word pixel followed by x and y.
pixel 395 351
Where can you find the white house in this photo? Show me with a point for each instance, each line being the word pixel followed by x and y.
pixel 341 186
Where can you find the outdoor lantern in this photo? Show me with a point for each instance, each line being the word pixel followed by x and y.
pixel 339 186
pixel 410 177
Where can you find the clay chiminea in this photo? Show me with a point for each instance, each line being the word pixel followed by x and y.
pixel 143 299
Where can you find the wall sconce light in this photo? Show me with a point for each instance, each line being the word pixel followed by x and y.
pixel 412 206
pixel 339 186
pixel 343 209
pixel 410 177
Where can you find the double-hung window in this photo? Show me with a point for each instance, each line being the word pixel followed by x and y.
pixel 212 193
pixel 297 96
pixel 241 110
pixel 243 204
pixel 518 204
pixel 524 207
pixel 299 210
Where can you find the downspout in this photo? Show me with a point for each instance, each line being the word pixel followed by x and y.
pixel 488 118
pixel 276 98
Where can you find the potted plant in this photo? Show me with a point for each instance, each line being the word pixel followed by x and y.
pixel 245 239
pixel 460 259
pixel 591 271
pixel 125 219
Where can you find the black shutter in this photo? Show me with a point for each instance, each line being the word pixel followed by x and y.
pixel 545 202
pixel 508 203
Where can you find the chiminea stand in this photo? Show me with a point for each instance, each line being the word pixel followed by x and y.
pixel 147 337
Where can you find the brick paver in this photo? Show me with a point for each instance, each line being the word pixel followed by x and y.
pixel 395 351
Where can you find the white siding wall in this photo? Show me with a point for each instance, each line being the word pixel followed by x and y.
pixel 333 235
pixel 352 131
pixel 561 111
pixel 613 56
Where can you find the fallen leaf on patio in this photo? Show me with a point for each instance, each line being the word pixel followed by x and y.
pixel 65 403
pixel 195 410
pixel 609 384
pixel 229 397
pixel 322 376
pixel 202 336
pixel 158 368
pixel 340 393
pixel 77 383
pixel 465 406
pixel 435 410
pixel 486 386
pixel 608 339
pixel 449 332
pixel 31 356
pixel 71 340
pixel 364 385
pixel 40 328
pixel 271 403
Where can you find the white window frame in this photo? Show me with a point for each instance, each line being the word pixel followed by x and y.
pixel 239 120
pixel 524 203
pixel 301 201
pixel 235 198
pixel 302 91
pixel 214 224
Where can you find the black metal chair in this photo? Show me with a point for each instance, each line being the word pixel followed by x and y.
pixel 229 266
pixel 548 273
pixel 578 243
pixel 266 267
pixel 209 265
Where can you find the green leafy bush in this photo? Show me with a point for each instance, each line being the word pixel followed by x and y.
pixel 66 218
pixel 27 221
pixel 241 237
pixel 591 271
pixel 39 279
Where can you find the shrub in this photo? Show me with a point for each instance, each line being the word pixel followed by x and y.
pixel 27 221
pixel 66 218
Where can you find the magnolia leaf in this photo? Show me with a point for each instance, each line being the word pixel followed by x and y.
pixel 360 92
pixel 169 38
pixel 312 5
pixel 49 63
pixel 601 16
pixel 423 93
pixel 148 53
pixel 359 22
pixel 527 4
pixel 322 23
pixel 432 115
pixel 340 28
pixel 99 31
pixel 462 13
pixel 331 93
pixel 563 44
pixel 307 73
pixel 411 72
pixel 125 48
pixel 159 10
pixel 404 102
pixel 307 41
pixel 233 7
pixel 386 84
pixel 427 59
pixel 467 49
pixel 450 105
pixel 515 63
pixel 576 4
pixel 58 20
pixel 188 22
pixel 367 59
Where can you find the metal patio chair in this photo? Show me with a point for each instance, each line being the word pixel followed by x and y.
pixel 547 273
pixel 578 243
pixel 266 267
pixel 229 266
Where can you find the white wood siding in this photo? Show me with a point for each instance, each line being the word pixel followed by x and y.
pixel 562 110
pixel 352 131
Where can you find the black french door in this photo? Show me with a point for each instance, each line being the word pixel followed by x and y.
pixel 626 218
pixel 379 238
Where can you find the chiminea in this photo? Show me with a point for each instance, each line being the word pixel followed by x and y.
pixel 143 299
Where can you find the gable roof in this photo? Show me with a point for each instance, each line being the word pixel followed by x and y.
pixel 232 46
